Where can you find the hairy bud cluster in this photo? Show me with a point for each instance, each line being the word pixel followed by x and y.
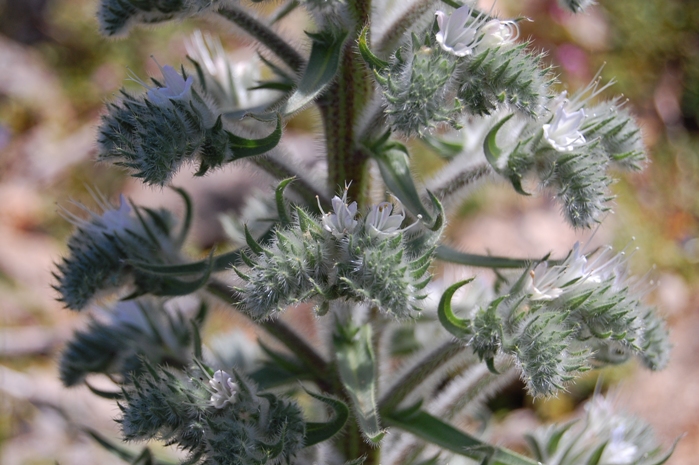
pixel 101 246
pixel 471 64
pixel 152 135
pixel 338 256
pixel 245 427
pixel 116 17
pixel 604 437
pixel 417 90
pixel 557 320
pixel 569 151
pixel 135 330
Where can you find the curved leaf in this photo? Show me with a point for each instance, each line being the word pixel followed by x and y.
pixel 317 432
pixel 395 171
pixel 490 147
pixel 322 67
pixel 372 60
pixel 458 327
pixel 242 147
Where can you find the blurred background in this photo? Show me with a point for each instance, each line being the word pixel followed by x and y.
pixel 56 72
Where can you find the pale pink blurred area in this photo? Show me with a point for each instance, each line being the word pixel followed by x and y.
pixel 47 150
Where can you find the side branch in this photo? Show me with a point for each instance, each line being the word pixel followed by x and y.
pixel 265 36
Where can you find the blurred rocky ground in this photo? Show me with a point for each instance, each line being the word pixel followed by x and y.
pixel 55 72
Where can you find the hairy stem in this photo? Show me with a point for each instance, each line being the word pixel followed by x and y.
pixel 267 37
pixel 341 106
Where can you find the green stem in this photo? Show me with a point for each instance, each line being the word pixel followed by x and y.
pixel 341 107
pixel 277 45
pixel 448 254
pixel 408 382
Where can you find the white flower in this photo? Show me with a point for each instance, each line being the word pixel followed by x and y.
pixel 379 222
pixel 619 451
pixel 459 32
pixel 176 87
pixel 563 133
pixel 342 221
pixel 225 390
pixel 228 77
pixel 498 33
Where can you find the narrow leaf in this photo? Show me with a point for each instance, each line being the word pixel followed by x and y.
pixel 395 171
pixel 490 147
pixel 448 254
pixel 357 368
pixel 317 432
pixel 371 60
pixel 435 431
pixel 322 67
pixel 458 327
pixel 111 395
pixel 242 147
pixel 187 221
pixel 281 204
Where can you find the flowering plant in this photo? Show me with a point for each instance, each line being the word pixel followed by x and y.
pixel 395 362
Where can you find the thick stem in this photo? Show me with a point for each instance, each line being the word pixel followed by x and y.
pixel 342 105
pixel 267 37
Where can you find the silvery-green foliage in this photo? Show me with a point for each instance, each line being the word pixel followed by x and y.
pixel 338 256
pixel 116 341
pixel 560 320
pixel 247 427
pixel 154 134
pixel 603 437
pixel 116 17
pixel 569 150
pixel 576 6
pixel 101 246
pixel 472 64
pixel 417 89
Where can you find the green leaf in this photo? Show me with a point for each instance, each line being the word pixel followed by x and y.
pixel 113 395
pixel 435 431
pixel 395 171
pixel 448 254
pixel 187 221
pixel 282 211
pixel 270 376
pixel 371 60
pixel 242 147
pixel 357 369
pixel 458 327
pixel 490 147
pixel 322 67
pixel 317 432
pixel 176 287
pixel 443 148
pixel 597 455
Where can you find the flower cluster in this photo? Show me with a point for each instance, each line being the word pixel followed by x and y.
pixel 133 331
pixel 153 135
pixel 338 256
pixel 559 320
pixel 102 245
pixel 604 437
pixel 569 150
pixel 236 425
pixel 436 80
